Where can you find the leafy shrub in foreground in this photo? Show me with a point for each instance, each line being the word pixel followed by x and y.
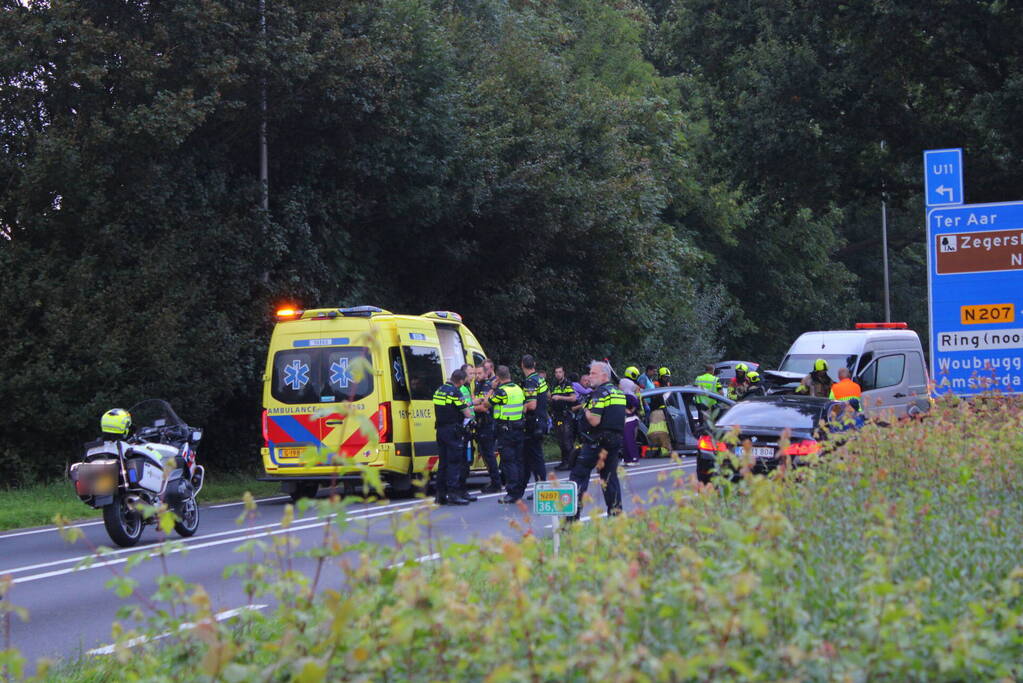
pixel 896 559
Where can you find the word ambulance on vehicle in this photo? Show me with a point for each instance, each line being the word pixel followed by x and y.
pixel 332 374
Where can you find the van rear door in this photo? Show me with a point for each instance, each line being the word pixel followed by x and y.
pixel 423 374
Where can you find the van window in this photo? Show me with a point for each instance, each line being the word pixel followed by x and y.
pixel 887 371
pixel 916 370
pixel 422 364
pixel 451 348
pixel 320 375
pixel 890 370
pixel 396 369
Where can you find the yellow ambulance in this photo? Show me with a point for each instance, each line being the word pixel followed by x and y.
pixel 334 374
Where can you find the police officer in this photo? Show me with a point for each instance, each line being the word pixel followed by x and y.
pixel 485 424
pixel 562 397
pixel 602 443
pixel 450 411
pixel 508 401
pixel 537 397
pixel 468 434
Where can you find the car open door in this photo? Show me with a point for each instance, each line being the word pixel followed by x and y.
pixel 423 374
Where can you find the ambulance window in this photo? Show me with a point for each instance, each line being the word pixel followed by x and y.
pixel 399 388
pixel 424 371
pixel 341 366
pixel 295 377
pixel 324 375
pixel 451 347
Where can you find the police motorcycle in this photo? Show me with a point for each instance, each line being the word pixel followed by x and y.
pixel 145 457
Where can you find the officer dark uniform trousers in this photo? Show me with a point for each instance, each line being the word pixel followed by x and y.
pixel 535 388
pixel 485 436
pixel 448 408
pixel 608 401
pixel 564 424
pixel 509 402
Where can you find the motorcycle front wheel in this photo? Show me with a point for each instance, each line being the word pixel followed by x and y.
pixel 188 518
pixel 123 525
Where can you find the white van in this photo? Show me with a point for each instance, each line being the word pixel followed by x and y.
pixel 885 359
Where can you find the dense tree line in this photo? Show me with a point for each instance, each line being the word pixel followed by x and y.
pixel 662 180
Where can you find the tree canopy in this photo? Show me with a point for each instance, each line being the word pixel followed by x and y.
pixel 659 181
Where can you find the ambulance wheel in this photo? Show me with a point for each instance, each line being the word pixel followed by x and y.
pixel 304 490
pixel 123 525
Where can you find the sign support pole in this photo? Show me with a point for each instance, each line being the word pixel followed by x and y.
pixel 557 535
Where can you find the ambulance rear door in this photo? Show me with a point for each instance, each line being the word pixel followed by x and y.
pixel 423 374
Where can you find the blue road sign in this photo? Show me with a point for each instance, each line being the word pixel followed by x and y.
pixel 975 282
pixel 943 177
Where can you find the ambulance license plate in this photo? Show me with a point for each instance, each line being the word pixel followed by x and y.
pixel 289 452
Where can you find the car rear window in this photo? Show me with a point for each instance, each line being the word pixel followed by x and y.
pixel 770 415
pixel 320 375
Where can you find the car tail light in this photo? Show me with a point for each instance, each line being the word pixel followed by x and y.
pixel 708 444
pixel 803 448
pixel 266 432
pixel 384 424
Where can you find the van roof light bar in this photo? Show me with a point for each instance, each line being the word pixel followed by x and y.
pixel 882 326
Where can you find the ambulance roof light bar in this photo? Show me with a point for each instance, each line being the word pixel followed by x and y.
pixel 289 313
pixel 882 326
pixel 447 315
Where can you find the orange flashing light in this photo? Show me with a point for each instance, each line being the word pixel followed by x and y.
pixel 882 326
pixel 288 313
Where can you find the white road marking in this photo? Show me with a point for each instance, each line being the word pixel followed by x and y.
pixel 242 502
pixel 418 560
pixel 244 534
pixel 48 529
pixel 141 640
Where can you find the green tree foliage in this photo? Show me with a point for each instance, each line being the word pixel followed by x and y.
pixel 523 165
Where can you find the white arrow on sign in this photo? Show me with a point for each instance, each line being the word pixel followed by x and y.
pixel 941 189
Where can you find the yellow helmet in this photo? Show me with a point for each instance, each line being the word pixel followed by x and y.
pixel 116 422
pixel 664 372
pixel 753 376
pixel 820 364
pixel 742 367
pixel 632 372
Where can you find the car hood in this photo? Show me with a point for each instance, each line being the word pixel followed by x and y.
pixel 781 376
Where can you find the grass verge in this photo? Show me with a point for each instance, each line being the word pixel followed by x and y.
pixel 37 505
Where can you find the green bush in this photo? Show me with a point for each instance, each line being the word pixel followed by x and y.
pixel 895 559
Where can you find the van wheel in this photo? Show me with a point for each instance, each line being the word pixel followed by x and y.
pixel 304 490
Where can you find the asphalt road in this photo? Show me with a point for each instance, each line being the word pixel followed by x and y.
pixel 71 609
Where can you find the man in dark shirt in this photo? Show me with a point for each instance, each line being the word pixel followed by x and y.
pixel 563 396
pixel 537 396
pixel 602 442
pixel 485 436
pixel 450 412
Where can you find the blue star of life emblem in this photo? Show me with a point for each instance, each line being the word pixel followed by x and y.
pixel 296 374
pixel 339 374
pixel 396 365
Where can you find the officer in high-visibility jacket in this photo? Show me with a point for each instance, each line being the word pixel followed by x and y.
pixel 709 382
pixel 508 401
pixel 602 442
pixel 450 412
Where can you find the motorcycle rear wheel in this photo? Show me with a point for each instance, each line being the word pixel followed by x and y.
pixel 123 525
pixel 188 518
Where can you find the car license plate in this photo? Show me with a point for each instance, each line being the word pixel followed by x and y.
pixel 758 451
pixel 289 452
